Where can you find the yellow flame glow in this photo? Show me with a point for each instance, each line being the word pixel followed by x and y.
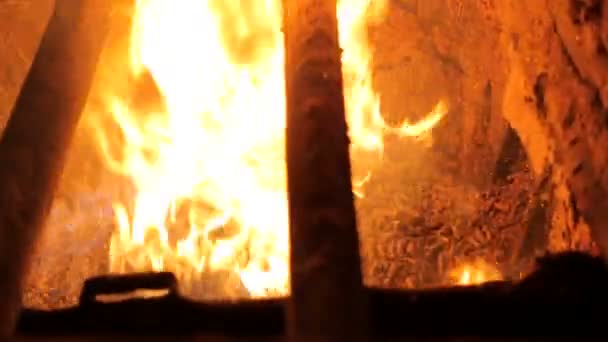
pixel 475 273
pixel 210 162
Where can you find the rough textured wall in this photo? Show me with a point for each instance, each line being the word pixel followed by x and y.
pixel 538 67
pixel 514 73
pixel 555 99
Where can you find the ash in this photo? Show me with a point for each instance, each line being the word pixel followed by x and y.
pixel 419 220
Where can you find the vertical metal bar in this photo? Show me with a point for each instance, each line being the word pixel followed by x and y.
pixel 35 141
pixel 327 298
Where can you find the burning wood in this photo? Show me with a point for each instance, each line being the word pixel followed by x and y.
pixel 205 153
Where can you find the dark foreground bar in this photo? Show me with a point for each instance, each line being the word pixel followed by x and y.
pixel 566 296
pixel 325 275
pixel 35 142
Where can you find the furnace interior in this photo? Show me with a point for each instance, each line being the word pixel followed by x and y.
pixel 482 189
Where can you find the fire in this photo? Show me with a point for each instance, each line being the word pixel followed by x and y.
pixel 208 166
pixel 475 273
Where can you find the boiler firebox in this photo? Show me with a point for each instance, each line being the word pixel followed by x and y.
pixel 304 169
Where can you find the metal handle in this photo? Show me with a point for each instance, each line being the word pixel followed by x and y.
pixel 122 284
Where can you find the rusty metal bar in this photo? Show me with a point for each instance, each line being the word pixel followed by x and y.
pixel 327 297
pixel 33 148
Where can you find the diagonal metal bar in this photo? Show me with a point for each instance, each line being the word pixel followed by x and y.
pixel 35 141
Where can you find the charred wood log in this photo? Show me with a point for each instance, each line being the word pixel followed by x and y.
pixel 33 148
pixel 327 295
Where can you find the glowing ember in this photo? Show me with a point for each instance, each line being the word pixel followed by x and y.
pixel 475 273
pixel 208 166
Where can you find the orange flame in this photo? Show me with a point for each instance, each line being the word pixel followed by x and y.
pixel 212 161
pixel 475 273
